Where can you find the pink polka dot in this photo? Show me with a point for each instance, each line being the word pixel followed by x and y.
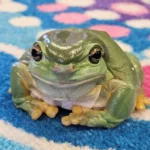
pixel 71 18
pixel 130 8
pixel 113 30
pixel 149 37
pixel 146 84
pixel 51 7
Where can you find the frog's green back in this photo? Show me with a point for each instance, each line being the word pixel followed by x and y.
pixel 137 66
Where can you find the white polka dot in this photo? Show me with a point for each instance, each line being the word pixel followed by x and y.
pixel 43 32
pixel 129 8
pixel 124 46
pixel 102 14
pixel 12 7
pixel 10 49
pixel 139 23
pixel 146 1
pixel 147 52
pixel 141 115
pixel 145 62
pixel 25 21
pixel 77 3
pixel 4 1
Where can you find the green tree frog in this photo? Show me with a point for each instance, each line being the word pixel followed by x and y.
pixel 81 70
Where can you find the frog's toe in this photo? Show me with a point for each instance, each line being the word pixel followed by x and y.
pixel 77 109
pixel 74 119
pixel 43 106
pixel 140 107
pixel 71 119
pixel 78 119
pixel 51 111
pixel 79 116
pixel 147 101
pixel 40 104
pixel 36 113
pixel 80 110
pixel 66 121
pixel 142 101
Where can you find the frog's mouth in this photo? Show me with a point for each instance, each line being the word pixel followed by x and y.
pixel 63 84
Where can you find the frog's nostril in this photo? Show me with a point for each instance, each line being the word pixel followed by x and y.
pixel 55 69
pixel 63 68
pixel 73 67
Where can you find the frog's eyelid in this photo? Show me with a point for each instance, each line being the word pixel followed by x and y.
pixel 43 54
pixel 47 58
pixel 37 47
pixel 101 49
pixel 102 52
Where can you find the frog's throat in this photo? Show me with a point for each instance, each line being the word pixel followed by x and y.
pixel 62 85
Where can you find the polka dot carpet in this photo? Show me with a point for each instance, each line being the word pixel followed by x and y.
pixel 22 22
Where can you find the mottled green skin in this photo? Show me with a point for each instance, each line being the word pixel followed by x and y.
pixel 118 72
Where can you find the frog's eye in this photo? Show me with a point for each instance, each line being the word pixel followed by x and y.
pixel 95 54
pixel 36 52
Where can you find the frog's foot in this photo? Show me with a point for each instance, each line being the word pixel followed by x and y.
pixel 34 111
pixel 36 107
pixel 79 116
pixel 50 111
pixel 142 102
pixel 90 117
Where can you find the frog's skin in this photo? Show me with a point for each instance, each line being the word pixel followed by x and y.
pixel 101 94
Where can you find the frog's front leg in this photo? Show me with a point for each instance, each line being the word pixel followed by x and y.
pixel 21 84
pixel 121 104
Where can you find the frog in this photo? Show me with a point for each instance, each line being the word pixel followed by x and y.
pixel 82 70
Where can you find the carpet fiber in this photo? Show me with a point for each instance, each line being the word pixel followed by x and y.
pixel 21 22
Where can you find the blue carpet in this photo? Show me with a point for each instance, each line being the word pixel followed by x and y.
pixel 132 134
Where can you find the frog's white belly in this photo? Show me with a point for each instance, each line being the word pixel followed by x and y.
pixel 89 100
pixel 85 93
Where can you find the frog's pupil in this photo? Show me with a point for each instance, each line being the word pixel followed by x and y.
pixel 36 55
pixel 97 55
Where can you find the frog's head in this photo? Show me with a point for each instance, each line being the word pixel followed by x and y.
pixel 69 58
